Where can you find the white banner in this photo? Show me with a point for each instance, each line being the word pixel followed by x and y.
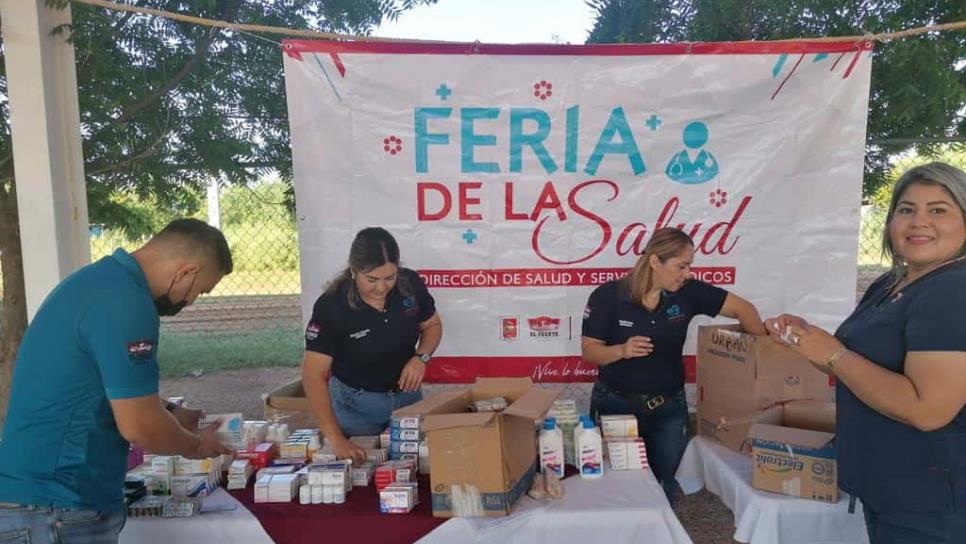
pixel 517 178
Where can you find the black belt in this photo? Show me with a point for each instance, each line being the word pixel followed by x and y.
pixel 649 401
pixel 394 389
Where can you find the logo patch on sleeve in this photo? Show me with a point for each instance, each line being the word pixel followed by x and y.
pixel 312 331
pixel 140 350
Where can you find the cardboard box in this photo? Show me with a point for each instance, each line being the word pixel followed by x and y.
pixel 741 374
pixel 796 461
pixel 484 458
pixel 288 404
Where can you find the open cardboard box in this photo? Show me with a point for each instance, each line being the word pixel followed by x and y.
pixel 796 455
pixel 485 459
pixel 739 375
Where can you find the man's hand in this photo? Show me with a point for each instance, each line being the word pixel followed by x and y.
pixel 209 445
pixel 187 417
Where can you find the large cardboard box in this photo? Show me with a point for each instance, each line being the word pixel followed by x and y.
pixel 288 404
pixel 797 456
pixel 481 463
pixel 741 374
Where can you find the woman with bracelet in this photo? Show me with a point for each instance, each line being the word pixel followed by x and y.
pixel 900 364
pixel 634 329
pixel 375 328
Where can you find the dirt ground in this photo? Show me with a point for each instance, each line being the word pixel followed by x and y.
pixel 704 517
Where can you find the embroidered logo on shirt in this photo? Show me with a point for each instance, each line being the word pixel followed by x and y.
pixel 625 323
pixel 140 350
pixel 312 331
pixel 358 335
pixel 409 306
pixel 674 311
pixel 586 312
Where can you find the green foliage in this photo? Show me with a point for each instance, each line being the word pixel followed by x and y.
pixel 954 155
pixel 918 88
pixel 167 106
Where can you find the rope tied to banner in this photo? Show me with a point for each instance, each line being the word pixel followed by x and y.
pixel 318 34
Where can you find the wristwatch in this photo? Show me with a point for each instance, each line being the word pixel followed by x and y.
pixel 424 358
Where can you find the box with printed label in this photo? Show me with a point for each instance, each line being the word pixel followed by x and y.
pixel 794 462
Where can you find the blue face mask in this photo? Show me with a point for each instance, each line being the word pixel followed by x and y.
pixel 166 307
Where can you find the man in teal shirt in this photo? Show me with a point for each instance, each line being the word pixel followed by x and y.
pixel 85 385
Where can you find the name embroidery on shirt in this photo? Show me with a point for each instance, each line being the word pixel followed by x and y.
pixel 359 334
pixel 625 323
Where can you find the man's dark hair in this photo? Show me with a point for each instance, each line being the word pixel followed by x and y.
pixel 201 237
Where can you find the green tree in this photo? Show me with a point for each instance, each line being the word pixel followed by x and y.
pixel 165 107
pixel 918 84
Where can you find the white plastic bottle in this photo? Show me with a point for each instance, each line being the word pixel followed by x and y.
pixel 590 451
pixel 577 430
pixel 551 448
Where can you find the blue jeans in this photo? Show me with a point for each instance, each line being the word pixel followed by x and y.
pixel 664 429
pixel 46 525
pixel 364 413
pixel 915 528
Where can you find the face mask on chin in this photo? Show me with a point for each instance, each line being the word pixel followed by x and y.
pixel 166 307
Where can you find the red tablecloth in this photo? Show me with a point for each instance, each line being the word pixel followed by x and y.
pixel 357 521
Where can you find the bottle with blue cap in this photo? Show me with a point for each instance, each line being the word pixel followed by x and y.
pixel 551 447
pixel 590 451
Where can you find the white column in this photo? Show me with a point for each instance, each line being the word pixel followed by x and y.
pixel 47 154
pixel 214 205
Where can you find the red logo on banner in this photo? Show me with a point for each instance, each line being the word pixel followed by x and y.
pixel 544 327
pixel 509 328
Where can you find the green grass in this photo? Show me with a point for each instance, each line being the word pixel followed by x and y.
pixel 182 353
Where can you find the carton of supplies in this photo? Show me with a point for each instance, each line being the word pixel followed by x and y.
pixel 740 374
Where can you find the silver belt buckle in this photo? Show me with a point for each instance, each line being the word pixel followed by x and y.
pixel 654 402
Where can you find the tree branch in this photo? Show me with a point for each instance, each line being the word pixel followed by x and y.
pixel 201 51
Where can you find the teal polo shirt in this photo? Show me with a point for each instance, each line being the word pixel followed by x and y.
pixel 94 338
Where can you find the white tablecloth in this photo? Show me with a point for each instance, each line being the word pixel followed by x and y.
pixel 235 524
pixel 762 517
pixel 621 506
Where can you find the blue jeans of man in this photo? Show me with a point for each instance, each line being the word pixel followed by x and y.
pixel 46 525
pixel 664 429
pixel 364 413
pixel 915 528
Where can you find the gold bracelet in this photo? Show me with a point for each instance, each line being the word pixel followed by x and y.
pixel 835 358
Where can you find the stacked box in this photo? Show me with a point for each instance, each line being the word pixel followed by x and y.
pixel 394 472
pixel 618 426
pixel 626 453
pixel 398 498
pixel 239 473
pixel 564 411
pixel 362 475
pixel 260 455
pixel 404 436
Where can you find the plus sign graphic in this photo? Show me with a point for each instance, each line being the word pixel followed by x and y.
pixel 653 122
pixel 469 236
pixel 443 91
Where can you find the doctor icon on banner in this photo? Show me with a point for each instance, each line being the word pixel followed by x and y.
pixel 703 168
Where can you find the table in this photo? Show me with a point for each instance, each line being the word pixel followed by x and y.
pixel 356 521
pixel 621 506
pixel 231 523
pixel 762 517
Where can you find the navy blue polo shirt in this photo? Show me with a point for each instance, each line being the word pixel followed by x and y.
pixel 93 339
pixel 888 464
pixel 369 347
pixel 613 317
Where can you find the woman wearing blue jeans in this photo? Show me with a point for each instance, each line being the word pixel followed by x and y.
pixel 634 329
pixel 372 333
